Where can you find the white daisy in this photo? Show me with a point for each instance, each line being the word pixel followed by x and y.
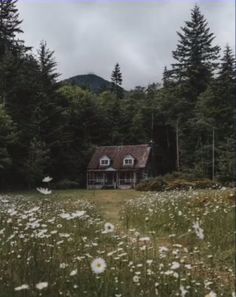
pixel 44 191
pixel 108 227
pixel 22 287
pixel 73 272
pixel 144 238
pixel 41 285
pixel 136 279
pixel 183 291
pixel 98 265
pixel 47 179
pixel 175 265
pixel 198 230
pixel 211 294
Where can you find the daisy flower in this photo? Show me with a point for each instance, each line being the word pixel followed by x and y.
pixel 22 287
pixel 211 294
pixel 183 291
pixel 198 230
pixel 44 191
pixel 47 179
pixel 73 272
pixel 41 285
pixel 175 265
pixel 98 265
pixel 135 279
pixel 108 228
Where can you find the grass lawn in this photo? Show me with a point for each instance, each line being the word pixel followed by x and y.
pixel 176 243
pixel 108 202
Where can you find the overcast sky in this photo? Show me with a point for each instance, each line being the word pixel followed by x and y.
pixel 91 36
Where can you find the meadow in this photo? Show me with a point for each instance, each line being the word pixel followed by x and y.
pixel 117 243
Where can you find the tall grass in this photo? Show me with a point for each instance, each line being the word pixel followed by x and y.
pixel 155 253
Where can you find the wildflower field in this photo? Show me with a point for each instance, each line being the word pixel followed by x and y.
pixel 177 243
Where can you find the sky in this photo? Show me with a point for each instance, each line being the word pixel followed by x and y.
pixel 91 36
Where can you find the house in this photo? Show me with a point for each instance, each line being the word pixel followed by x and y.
pixel 118 167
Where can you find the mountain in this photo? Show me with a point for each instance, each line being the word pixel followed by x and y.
pixel 93 82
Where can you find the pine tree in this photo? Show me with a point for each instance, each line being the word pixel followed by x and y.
pixel 9 27
pixel 166 77
pixel 8 137
pixel 36 163
pixel 196 57
pixel 227 66
pixel 116 79
pixel 47 64
pixel 215 110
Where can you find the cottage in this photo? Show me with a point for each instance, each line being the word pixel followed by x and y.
pixel 118 167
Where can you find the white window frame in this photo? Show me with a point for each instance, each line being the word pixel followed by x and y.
pixel 128 161
pixel 104 161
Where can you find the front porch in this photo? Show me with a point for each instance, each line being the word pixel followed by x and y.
pixel 111 179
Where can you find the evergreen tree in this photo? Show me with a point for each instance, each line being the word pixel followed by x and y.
pixel 227 66
pixel 9 27
pixel 47 65
pixel 166 78
pixel 10 46
pixel 8 137
pixel 196 57
pixel 215 110
pixel 83 127
pixel 116 79
pixel 36 163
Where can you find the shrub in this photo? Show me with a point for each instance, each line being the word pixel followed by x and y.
pixel 172 182
pixel 66 184
pixel 153 184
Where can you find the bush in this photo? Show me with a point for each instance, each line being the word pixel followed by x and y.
pixel 153 184
pixel 172 182
pixel 66 184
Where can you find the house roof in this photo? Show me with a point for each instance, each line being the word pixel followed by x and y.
pixel 140 153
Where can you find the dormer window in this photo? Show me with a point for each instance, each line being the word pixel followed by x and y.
pixel 105 161
pixel 128 161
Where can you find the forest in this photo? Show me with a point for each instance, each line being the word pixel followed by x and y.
pixel 49 127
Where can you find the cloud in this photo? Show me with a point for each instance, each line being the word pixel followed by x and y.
pixel 91 36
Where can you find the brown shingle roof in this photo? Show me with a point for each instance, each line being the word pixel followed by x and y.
pixel 140 152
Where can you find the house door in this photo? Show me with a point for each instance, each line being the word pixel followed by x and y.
pixel 109 178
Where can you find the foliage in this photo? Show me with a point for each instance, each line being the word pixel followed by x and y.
pixel 116 79
pixel 36 163
pixel 195 55
pixel 9 28
pixel 180 116
pixel 7 138
pixel 66 184
pixel 169 183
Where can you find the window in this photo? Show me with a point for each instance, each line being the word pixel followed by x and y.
pixel 126 178
pixel 104 161
pixel 99 177
pixel 128 161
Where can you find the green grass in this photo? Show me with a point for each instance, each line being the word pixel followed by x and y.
pixel 153 251
pixel 108 202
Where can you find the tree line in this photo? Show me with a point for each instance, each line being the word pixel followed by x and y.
pixel 50 128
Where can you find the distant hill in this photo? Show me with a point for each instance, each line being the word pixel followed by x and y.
pixel 93 82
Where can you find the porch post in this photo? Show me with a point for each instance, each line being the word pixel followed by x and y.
pixel 87 179
pixel 103 175
pixel 134 180
pixel 117 179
